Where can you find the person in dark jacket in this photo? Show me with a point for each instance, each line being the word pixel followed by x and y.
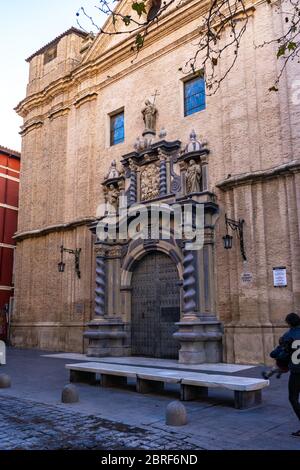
pixel 281 354
pixel 293 321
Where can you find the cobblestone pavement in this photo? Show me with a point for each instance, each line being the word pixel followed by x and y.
pixel 26 425
pixel 32 415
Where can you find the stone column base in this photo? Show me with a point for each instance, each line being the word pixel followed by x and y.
pixel 201 341
pixel 106 338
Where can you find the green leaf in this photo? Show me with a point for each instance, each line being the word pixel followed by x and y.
pixel 139 7
pixel 139 41
pixel 281 50
pixel 127 20
pixel 292 46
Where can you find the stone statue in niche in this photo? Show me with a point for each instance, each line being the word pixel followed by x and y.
pixel 193 177
pixel 150 182
pixel 112 195
pixel 149 113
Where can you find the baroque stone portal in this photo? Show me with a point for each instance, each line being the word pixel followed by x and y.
pixel 155 296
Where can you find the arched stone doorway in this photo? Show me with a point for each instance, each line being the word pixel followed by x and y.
pixel 155 306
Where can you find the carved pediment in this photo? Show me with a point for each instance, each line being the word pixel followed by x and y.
pixel 104 42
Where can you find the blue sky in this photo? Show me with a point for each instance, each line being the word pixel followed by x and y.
pixel 25 27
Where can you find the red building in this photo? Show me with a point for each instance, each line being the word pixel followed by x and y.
pixel 9 201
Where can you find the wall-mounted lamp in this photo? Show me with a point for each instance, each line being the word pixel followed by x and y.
pixel 61 265
pixel 237 226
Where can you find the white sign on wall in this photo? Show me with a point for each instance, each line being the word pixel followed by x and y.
pixel 279 276
pixel 2 353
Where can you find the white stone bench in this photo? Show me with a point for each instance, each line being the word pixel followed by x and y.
pixel 193 385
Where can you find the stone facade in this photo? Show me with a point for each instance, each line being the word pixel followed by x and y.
pixel 253 173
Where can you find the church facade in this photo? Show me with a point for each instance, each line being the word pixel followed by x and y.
pixel 102 125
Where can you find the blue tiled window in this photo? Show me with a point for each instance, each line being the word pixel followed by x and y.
pixel 117 128
pixel 194 95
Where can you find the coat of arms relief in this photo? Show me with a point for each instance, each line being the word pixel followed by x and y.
pixel 150 182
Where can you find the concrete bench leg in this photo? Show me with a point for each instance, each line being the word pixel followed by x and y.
pixel 244 400
pixel 83 377
pixel 192 392
pixel 113 380
pixel 148 386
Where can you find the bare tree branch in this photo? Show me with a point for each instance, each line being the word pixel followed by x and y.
pixel 220 33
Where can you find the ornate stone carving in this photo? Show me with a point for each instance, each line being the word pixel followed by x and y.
pixel 115 252
pixel 194 145
pixel 162 133
pixel 149 113
pixel 113 171
pixel 193 177
pixel 112 194
pixel 150 182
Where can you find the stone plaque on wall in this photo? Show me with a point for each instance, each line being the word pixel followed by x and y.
pixel 246 278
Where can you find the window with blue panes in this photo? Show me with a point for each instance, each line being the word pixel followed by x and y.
pixel 194 95
pixel 117 128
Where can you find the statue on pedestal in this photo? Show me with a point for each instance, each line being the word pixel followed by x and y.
pixel 149 113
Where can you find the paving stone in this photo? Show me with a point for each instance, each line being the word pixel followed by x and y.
pixel 53 429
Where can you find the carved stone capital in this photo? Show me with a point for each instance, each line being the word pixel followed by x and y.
pixel 100 251
pixel 132 165
pixel 115 252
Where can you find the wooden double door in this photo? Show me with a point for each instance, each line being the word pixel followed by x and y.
pixel 155 306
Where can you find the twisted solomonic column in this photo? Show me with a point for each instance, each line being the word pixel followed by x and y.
pixel 189 286
pixel 133 186
pixel 162 177
pixel 100 286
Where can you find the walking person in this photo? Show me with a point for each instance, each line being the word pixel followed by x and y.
pixel 293 321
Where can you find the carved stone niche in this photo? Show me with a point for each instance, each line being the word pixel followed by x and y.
pixel 193 166
pixel 113 184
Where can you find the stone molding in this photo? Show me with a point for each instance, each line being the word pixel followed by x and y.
pixel 260 175
pixel 120 52
pixel 85 99
pixel 58 112
pixel 52 228
pixel 30 127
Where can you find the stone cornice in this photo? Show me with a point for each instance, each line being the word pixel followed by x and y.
pixel 255 176
pixel 52 228
pixel 86 98
pixel 30 126
pixel 58 112
pixel 122 51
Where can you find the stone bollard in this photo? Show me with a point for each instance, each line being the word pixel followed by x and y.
pixel 5 381
pixel 176 414
pixel 70 394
